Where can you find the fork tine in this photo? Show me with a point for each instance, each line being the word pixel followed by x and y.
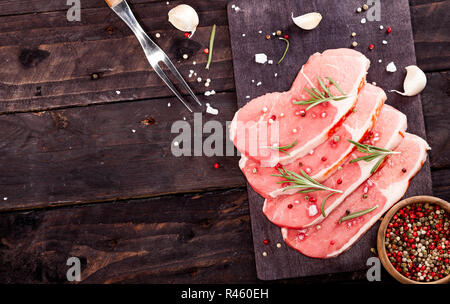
pixel 180 78
pixel 167 81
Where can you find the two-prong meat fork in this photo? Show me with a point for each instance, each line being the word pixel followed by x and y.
pixel 154 54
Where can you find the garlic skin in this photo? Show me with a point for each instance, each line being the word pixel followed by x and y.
pixel 308 21
pixel 415 81
pixel 184 18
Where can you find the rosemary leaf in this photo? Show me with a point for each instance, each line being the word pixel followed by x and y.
pixel 356 214
pixel 322 208
pixel 317 97
pixel 373 153
pixel 283 148
pixel 301 181
pixel 211 46
pixel 285 51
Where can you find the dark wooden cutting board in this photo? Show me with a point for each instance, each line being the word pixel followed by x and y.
pixel 340 19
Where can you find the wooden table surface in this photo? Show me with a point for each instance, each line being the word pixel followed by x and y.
pixel 77 181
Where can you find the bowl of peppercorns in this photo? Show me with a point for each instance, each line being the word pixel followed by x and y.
pixel 413 241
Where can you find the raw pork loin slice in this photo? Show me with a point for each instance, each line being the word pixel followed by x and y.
pixel 262 121
pixel 294 211
pixel 388 186
pixel 325 159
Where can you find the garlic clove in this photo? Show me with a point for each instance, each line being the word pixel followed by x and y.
pixel 415 81
pixel 308 21
pixel 184 18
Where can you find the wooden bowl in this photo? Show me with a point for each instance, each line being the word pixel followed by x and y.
pixel 382 232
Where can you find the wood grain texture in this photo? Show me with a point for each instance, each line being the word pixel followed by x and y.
pixel 118 231
pixel 339 20
pixel 431 25
pixel 175 239
pixel 48 62
pixel 92 154
pixel 435 100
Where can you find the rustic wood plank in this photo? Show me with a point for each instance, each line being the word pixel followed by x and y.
pixel 92 154
pixel 334 32
pixel 76 50
pixel 435 100
pixel 18 7
pixel 174 239
pixel 441 186
pixel 431 24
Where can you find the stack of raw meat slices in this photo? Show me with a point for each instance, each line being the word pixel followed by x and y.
pixel 328 155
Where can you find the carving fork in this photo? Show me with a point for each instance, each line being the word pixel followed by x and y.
pixel 152 51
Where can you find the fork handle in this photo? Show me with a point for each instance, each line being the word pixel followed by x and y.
pixel 113 3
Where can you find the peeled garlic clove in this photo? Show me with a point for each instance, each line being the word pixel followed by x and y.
pixel 308 21
pixel 415 81
pixel 184 18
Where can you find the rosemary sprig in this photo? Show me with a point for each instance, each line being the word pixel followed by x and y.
pixel 301 181
pixel 317 97
pixel 285 51
pixel 211 46
pixel 373 153
pixel 283 148
pixel 356 214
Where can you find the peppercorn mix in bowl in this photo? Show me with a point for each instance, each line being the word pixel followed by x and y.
pixel 413 241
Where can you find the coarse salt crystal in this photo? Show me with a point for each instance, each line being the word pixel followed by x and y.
pixel 276 74
pixel 211 110
pixel 363 20
pixel 118 92
pixel 391 67
pixel 264 109
pixel 248 97
pixel 312 210
pixel 381 27
pixel 133 130
pixel 385 42
pixel 175 143
pixel 270 62
pixel 261 58
pixel 243 35
pixel 157 35
pixel 259 83
pixel 168 104
pixel 294 130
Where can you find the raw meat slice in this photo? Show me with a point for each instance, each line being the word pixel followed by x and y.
pixel 294 211
pixel 325 159
pixel 388 185
pixel 259 124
